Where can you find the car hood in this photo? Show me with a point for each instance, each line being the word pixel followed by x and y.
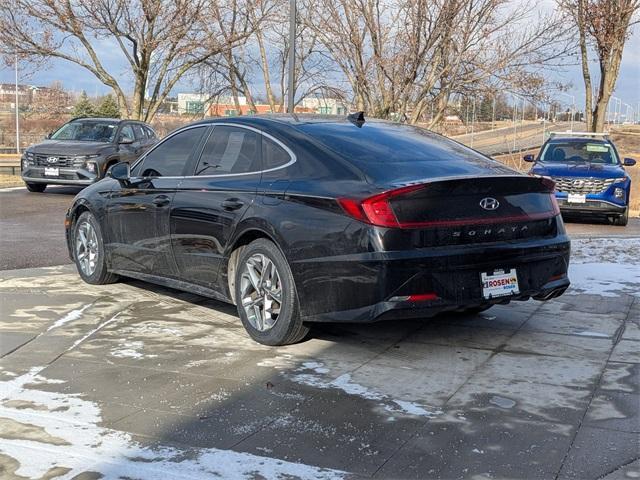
pixel 68 147
pixel 578 170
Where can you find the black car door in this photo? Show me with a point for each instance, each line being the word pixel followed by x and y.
pixel 138 213
pixel 209 203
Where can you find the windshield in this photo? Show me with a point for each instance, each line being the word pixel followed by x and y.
pixel 87 131
pixel 579 152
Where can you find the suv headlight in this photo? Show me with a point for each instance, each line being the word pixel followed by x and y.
pixel 620 180
pixel 80 161
pixel 29 158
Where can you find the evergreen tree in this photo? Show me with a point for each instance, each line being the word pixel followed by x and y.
pixel 108 108
pixel 84 107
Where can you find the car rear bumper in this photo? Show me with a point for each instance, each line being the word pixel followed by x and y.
pixel 362 288
pixel 591 207
pixel 67 176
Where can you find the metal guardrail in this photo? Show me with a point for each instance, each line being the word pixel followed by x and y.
pixel 10 169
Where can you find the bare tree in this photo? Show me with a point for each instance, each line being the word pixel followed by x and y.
pixel 159 40
pixel 403 57
pixel 603 27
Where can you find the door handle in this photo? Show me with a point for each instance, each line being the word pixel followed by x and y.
pixel 161 201
pixel 232 204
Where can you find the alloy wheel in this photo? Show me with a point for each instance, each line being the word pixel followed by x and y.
pixel 87 248
pixel 261 292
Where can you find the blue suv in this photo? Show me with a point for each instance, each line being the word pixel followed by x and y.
pixel 589 175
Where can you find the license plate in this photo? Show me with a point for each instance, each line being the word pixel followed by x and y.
pixel 51 171
pixel 576 198
pixel 499 283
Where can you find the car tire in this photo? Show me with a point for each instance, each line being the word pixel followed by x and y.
pixel 622 220
pixel 89 252
pixel 263 277
pixel 35 187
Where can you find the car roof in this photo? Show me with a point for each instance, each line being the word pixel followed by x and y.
pixel 106 119
pixel 579 140
pixel 281 119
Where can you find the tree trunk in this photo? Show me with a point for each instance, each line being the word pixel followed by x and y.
pixel 265 72
pixel 586 75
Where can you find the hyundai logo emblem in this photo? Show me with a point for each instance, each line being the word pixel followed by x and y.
pixel 52 159
pixel 489 203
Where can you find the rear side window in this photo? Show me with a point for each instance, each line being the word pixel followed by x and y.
pixel 230 150
pixel 150 133
pixel 273 155
pixel 140 135
pixel 169 158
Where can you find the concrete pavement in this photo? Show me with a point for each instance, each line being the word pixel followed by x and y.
pixel 131 380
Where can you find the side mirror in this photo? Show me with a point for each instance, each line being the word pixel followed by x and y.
pixel 629 162
pixel 529 158
pixel 49 135
pixel 124 140
pixel 121 172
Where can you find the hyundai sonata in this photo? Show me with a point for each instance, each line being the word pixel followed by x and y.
pixel 305 219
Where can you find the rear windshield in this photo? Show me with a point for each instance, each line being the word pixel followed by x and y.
pixel 579 152
pixel 385 143
pixel 87 131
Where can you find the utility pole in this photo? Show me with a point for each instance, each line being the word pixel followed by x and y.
pixel 493 113
pixel 292 54
pixel 473 116
pixel 17 109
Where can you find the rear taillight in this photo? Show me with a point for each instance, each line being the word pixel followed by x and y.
pixel 376 210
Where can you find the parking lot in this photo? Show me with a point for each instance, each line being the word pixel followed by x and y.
pixel 137 381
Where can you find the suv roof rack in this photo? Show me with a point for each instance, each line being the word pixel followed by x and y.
pixel 579 134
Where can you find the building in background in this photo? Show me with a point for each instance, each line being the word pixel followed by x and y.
pixel 224 106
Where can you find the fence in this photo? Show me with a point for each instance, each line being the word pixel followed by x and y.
pixel 8 140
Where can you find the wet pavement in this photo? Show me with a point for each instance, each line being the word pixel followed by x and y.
pixel 135 381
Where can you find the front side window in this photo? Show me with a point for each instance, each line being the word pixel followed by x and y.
pixel 87 131
pixel 127 132
pixel 579 152
pixel 230 150
pixel 169 158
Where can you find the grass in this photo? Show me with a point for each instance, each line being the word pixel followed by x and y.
pixel 7 180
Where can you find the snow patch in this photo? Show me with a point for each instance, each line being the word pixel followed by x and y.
pixel 69 317
pixel 130 350
pixel 85 446
pixel 592 334
pixel 608 250
pixel 344 383
pixel 605 279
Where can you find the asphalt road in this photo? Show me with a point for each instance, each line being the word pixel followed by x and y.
pixel 32 226
pixel 501 141
pixel 33 231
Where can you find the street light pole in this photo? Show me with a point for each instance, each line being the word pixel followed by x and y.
pixel 292 54
pixel 17 109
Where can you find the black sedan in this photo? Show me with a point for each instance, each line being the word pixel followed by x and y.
pixel 304 219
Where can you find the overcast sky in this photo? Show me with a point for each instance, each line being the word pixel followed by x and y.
pixel 76 78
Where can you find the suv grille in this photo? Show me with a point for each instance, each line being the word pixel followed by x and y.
pixel 582 185
pixel 62 161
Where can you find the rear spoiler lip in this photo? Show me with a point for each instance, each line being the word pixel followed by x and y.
pixel 430 180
